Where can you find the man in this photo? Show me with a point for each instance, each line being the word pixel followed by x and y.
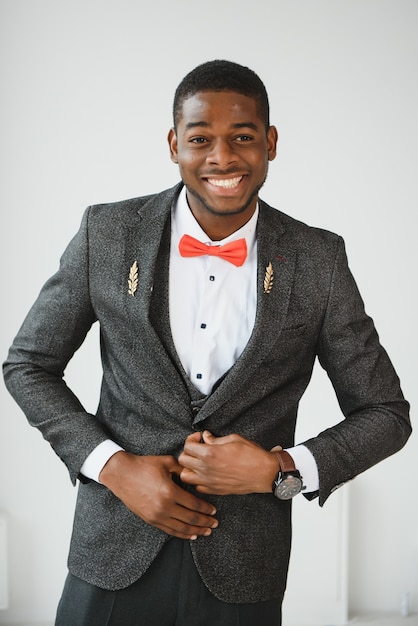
pixel 213 307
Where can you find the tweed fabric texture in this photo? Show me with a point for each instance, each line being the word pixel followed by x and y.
pixel 147 405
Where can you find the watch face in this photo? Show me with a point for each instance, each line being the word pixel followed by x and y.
pixel 288 487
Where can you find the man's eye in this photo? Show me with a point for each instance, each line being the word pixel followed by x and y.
pixel 244 138
pixel 198 140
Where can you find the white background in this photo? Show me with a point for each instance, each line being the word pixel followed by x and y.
pixel 86 92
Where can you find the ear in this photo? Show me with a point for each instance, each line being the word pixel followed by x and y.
pixel 172 142
pixel 272 139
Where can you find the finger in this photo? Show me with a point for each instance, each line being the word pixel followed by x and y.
pixel 194 521
pixel 192 450
pixel 204 484
pixel 193 505
pixel 176 529
pixel 186 523
pixel 208 437
pixel 190 460
pixel 190 477
pixel 173 466
pixel 194 442
pixel 197 437
pixel 184 515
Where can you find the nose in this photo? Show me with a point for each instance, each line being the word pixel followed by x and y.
pixel 222 153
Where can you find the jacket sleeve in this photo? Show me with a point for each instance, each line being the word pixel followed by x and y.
pixel 53 330
pixel 376 414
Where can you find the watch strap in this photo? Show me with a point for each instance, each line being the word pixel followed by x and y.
pixel 286 461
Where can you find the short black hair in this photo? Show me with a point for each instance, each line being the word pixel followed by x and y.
pixel 220 75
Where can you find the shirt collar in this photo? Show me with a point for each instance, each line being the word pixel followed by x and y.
pixel 184 222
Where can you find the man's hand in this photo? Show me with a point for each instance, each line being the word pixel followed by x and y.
pixel 227 465
pixel 145 485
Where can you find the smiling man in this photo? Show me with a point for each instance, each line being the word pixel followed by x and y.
pixel 213 308
pixel 222 145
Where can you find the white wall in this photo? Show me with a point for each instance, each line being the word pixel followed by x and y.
pixel 86 99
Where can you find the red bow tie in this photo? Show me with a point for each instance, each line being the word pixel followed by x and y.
pixel 234 252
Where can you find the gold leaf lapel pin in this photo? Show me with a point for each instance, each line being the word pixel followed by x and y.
pixel 268 278
pixel 133 279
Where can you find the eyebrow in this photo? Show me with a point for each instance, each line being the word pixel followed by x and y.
pixel 238 125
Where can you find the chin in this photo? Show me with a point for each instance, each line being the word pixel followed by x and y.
pixel 226 210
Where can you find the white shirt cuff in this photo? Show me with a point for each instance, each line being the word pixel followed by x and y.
pixel 306 464
pixel 98 458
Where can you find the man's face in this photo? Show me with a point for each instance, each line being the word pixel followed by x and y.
pixel 222 149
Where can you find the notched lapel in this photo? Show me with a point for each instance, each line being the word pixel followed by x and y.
pixel 142 246
pixel 145 270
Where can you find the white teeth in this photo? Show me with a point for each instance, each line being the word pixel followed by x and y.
pixel 226 183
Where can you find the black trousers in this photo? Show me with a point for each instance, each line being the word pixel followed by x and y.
pixel 171 593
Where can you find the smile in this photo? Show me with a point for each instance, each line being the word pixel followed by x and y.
pixel 225 183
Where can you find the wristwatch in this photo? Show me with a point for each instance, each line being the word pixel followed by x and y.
pixel 289 481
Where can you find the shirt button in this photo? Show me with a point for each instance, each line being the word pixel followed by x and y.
pixel 212 278
pixel 202 325
pixel 199 376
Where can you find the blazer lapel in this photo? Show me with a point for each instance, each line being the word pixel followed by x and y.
pixel 276 263
pixel 144 247
pixel 144 241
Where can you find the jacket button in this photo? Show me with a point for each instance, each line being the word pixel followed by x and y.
pixel 195 410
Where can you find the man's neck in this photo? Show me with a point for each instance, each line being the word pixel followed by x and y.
pixel 219 226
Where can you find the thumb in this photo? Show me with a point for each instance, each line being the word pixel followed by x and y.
pixel 197 437
pixel 208 437
pixel 172 465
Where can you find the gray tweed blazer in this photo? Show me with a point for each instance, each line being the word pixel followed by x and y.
pixel 311 309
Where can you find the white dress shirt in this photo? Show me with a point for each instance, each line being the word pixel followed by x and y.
pixel 212 306
pixel 212 302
